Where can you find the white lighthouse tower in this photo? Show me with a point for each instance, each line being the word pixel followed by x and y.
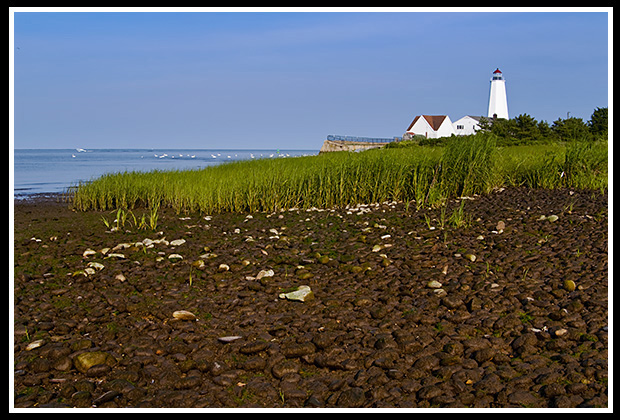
pixel 498 104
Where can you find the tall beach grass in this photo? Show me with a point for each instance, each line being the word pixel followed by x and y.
pixel 422 175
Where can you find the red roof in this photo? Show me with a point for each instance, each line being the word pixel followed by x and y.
pixel 497 71
pixel 434 121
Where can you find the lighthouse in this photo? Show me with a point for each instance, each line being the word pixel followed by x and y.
pixel 498 104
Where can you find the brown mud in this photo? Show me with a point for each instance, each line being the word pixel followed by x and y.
pixel 491 307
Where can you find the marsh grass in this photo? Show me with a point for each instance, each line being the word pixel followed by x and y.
pixel 423 175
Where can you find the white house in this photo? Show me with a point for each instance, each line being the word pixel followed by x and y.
pixel 466 125
pixel 431 126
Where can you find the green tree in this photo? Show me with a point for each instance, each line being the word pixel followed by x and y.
pixel 544 130
pixel 571 129
pixel 526 129
pixel 505 130
pixel 598 123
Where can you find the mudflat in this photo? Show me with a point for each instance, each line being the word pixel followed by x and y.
pixel 498 300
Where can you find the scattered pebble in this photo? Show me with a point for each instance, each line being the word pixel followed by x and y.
pixel 569 285
pixel 433 284
pixel 35 344
pixel 302 294
pixel 184 315
pixel 88 253
pixel 264 273
pixel 229 338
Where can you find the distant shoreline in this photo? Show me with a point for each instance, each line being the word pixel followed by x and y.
pixel 39 197
pixel 164 148
pixel 52 170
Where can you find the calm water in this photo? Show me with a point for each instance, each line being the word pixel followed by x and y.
pixel 39 171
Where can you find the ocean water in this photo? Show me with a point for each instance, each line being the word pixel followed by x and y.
pixel 39 171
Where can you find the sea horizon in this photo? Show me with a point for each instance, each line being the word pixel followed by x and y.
pixel 54 170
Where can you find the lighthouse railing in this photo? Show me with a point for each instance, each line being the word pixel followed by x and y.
pixel 356 139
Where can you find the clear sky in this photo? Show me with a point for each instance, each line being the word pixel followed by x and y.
pixel 206 79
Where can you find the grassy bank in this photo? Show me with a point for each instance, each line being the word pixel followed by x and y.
pixel 422 175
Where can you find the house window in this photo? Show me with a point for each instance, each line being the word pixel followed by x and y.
pixel 460 127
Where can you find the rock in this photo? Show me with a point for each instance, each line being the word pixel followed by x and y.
pixel 378 311
pixel 198 264
pixel 522 398
pixel 569 285
pixel 254 363
pixel 88 253
pixel 254 347
pixel 81 344
pixel 208 256
pixel 302 294
pixel 433 284
pixel 429 392
pixel 35 344
pixel 122 246
pixel 223 267
pixel 452 302
pixel 264 273
pixel 177 242
pixel 285 367
pixel 229 338
pixel 470 257
pixel 324 259
pixel 304 274
pixel 175 257
pixel 96 265
pixel 474 304
pixel 560 332
pixel 352 398
pixel 98 370
pixel 552 218
pixel 440 292
pixel 106 397
pixel 85 361
pixel 500 226
pixel 184 315
pixel 298 350
pixel 116 255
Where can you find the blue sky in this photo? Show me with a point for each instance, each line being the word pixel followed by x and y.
pixel 287 79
